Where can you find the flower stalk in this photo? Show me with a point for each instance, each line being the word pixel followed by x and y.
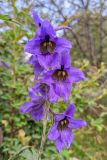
pixel 45 120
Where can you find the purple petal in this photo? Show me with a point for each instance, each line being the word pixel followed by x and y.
pixel 67 92
pixel 75 75
pixel 32 60
pixel 37 68
pixel 44 60
pixel 65 134
pixel 41 88
pixel 32 46
pixel 53 97
pixel 63 90
pixel 49 60
pixel 32 94
pixel 37 20
pixel 65 59
pixel 59 145
pixel 62 44
pixel 26 108
pixel 47 77
pixel 47 29
pixel 55 60
pixel 38 104
pixel 75 124
pixel 59 117
pixel 38 114
pixel 67 137
pixel 70 140
pixel 36 87
pixel 53 133
pixel 70 110
pixel 59 88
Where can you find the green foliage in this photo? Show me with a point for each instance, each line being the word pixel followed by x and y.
pixel 21 135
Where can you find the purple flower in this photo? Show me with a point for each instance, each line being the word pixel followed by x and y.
pixel 61 79
pixel 35 107
pixel 46 45
pixel 46 91
pixel 62 129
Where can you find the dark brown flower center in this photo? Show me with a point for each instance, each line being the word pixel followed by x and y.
pixel 63 124
pixel 60 74
pixel 47 46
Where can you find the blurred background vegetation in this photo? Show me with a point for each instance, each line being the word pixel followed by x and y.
pixel 19 135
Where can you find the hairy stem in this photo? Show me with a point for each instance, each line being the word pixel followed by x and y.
pixel 43 140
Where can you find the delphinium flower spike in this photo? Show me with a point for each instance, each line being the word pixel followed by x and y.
pixel 52 68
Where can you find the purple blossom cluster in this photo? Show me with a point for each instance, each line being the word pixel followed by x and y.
pixel 50 58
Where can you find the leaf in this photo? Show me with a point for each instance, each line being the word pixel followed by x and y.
pixel 29 155
pixel 5 17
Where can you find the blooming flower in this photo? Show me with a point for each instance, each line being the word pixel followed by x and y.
pixel 62 129
pixel 35 107
pixel 46 45
pixel 62 78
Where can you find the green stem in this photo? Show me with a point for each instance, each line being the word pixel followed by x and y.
pixel 43 140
